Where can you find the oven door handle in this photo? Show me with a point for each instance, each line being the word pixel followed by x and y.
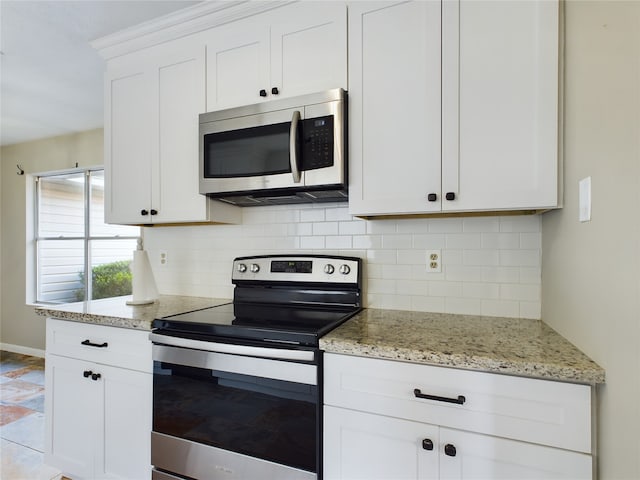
pixel 245 350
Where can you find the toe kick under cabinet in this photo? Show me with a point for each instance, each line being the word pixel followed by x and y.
pixel 98 401
pixel 388 419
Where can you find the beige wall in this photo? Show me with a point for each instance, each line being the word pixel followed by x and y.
pixel 591 271
pixel 20 326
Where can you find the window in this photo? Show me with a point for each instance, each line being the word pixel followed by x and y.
pixel 72 239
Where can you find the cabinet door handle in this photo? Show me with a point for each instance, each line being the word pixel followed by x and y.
pixel 154 212
pixel 459 401
pixel 432 197
pixel 450 196
pixel 95 376
pixel 144 212
pixel 97 345
pixel 427 444
pixel 275 91
pixel 263 93
pixel 450 450
pixel 87 373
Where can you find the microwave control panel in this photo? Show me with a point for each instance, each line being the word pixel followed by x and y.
pixel 317 144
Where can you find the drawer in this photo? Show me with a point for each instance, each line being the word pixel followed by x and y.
pixel 538 411
pixel 119 347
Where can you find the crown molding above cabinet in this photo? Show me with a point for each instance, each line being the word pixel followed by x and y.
pixel 186 21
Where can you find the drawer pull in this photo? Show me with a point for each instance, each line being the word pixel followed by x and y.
pixel 95 376
pixel 427 444
pixel 459 401
pixel 450 450
pixel 97 345
pixel 87 373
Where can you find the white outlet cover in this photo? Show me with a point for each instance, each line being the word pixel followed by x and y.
pixel 584 200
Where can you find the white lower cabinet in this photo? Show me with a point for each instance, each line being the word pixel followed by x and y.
pixel 98 416
pixel 375 427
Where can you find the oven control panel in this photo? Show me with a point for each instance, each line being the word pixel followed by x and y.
pixel 320 268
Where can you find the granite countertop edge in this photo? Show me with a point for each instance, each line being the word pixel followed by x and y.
pixel 520 347
pixel 115 312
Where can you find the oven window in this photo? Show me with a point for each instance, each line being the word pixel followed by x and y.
pixel 269 419
pixel 248 152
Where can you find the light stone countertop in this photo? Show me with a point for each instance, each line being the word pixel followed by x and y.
pixel 115 312
pixel 503 345
pixel 511 346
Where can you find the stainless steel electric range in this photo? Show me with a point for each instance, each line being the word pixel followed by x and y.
pixel 237 388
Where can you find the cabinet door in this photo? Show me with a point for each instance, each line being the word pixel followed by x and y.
pixel 127 144
pixel 179 87
pixel 371 447
pixel 126 452
pixel 72 415
pixel 237 64
pixel 500 104
pixel 471 456
pixel 394 107
pixel 309 48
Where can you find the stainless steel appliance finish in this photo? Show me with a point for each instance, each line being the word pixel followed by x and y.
pixel 206 462
pixel 290 150
pixel 238 387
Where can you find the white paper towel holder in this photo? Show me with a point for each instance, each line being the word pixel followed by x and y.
pixel 143 285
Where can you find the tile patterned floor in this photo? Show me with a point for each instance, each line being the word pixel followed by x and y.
pixel 22 418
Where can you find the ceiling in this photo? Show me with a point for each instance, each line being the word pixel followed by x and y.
pixel 51 77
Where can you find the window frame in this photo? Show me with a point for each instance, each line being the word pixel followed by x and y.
pixel 86 238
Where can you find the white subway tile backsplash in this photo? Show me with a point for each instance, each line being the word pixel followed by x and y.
pixel 338 242
pixel 352 228
pixel 309 215
pixel 338 214
pixel 500 308
pixel 325 228
pixel 520 258
pixel 530 310
pixel 399 272
pixel 430 241
pixel 463 306
pixel 529 293
pixel 463 240
pixel 367 241
pixel 445 225
pixel 481 224
pixel 396 241
pixel 490 265
pixel 311 243
pixel 501 274
pixel 500 240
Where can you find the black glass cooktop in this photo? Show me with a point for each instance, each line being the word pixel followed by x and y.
pixel 257 322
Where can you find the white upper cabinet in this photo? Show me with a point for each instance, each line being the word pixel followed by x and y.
pixel 453 106
pixel 294 50
pixel 152 102
pixel 500 104
pixel 394 106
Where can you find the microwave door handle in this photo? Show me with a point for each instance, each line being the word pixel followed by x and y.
pixel 293 146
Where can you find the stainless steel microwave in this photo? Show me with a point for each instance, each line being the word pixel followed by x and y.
pixel 290 150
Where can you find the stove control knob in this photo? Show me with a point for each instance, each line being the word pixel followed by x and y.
pixel 329 269
pixel 242 267
pixel 255 268
pixel 345 269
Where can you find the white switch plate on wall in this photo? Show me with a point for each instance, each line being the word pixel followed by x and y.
pixel 584 202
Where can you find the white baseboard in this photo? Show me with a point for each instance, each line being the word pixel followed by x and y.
pixel 34 352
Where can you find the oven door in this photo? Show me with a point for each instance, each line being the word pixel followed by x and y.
pixel 221 415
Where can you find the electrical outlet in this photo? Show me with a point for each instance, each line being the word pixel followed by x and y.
pixel 434 261
pixel 164 259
